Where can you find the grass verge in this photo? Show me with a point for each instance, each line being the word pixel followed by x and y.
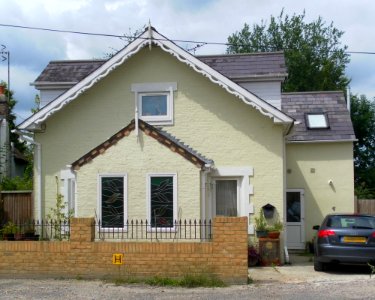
pixel 188 281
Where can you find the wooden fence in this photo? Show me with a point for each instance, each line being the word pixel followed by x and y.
pixel 365 206
pixel 16 206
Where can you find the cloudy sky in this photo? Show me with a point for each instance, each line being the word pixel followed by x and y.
pixel 197 20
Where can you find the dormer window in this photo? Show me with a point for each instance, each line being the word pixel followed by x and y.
pixel 316 121
pixel 154 102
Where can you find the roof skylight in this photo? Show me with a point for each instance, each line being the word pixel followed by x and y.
pixel 316 121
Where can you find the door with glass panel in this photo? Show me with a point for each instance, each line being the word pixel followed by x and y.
pixel 295 219
pixel 226 197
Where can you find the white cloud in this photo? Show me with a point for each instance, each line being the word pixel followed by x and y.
pixel 53 7
pixel 113 6
pixel 204 20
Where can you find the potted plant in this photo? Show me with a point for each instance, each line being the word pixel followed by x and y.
pixel 275 229
pixel 30 232
pixel 253 257
pixel 9 230
pixel 261 225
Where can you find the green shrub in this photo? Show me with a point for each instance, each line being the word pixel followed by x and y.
pixel 16 184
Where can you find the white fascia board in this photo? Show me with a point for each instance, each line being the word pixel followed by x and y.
pixel 52 85
pixel 231 87
pixel 323 141
pixel 85 84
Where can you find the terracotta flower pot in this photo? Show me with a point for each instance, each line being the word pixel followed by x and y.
pixel 274 234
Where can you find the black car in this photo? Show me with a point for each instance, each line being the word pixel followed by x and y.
pixel 344 238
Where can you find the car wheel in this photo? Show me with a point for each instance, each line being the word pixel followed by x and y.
pixel 319 266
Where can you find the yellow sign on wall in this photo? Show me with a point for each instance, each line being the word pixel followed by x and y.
pixel 117 259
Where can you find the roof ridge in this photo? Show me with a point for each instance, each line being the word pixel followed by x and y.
pixel 312 92
pixel 241 54
pixel 77 60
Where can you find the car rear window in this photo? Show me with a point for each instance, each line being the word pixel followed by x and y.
pixel 359 222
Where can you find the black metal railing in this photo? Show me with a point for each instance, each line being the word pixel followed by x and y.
pixel 46 230
pixel 51 230
pixel 144 230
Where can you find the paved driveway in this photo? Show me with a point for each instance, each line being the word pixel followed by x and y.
pixel 301 270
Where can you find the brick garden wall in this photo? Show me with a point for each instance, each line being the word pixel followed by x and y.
pixel 225 256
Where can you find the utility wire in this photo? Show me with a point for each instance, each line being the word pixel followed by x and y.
pixel 199 43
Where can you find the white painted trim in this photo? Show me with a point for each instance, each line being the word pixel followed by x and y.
pixel 99 197
pixel 68 178
pixel 153 87
pixel 233 171
pixel 168 46
pixel 246 189
pixel 322 141
pixel 148 200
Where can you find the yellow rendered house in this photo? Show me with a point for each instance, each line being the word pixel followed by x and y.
pixel 157 133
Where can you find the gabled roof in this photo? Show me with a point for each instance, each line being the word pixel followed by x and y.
pixel 158 134
pixel 149 38
pixel 68 71
pixel 249 66
pixel 332 104
pixel 236 67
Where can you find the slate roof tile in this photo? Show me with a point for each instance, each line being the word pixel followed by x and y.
pixel 237 65
pixel 332 104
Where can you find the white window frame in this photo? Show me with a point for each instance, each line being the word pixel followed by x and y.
pixel 155 88
pixel 245 208
pixel 148 201
pixel 99 200
pixel 159 119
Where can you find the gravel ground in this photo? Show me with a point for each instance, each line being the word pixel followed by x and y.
pixel 296 281
pixel 81 289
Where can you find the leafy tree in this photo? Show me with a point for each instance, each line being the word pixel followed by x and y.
pixel 314 56
pixel 363 118
pixel 13 137
pixel 127 38
pixel 18 183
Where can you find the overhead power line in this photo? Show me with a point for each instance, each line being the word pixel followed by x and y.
pixel 61 31
pixel 199 43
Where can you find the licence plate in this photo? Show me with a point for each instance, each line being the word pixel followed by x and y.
pixel 354 239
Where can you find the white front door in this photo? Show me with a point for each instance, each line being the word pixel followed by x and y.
pixel 295 219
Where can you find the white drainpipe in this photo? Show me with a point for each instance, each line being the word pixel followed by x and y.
pixel 38 167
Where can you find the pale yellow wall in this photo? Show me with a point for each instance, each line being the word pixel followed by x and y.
pixel 137 159
pixel 331 161
pixel 206 117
